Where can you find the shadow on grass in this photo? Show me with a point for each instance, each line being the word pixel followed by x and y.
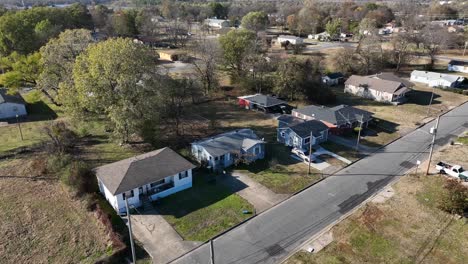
pixel 207 190
pixel 39 111
pixel 422 97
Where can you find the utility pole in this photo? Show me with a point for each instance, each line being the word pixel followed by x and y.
pixel 130 231
pixel 466 43
pixel 19 127
pixel 430 102
pixel 211 252
pixel 434 135
pixel 310 152
pixel 359 133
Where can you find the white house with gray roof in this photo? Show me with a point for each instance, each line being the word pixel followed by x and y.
pixel 228 148
pixel 435 79
pixel 379 87
pixel 217 23
pixel 299 133
pixel 11 105
pixel 151 176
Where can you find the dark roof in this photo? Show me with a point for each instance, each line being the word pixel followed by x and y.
pixel 230 142
pixel 458 62
pixel 390 76
pixel 375 84
pixel 303 128
pixel 264 100
pixel 131 173
pixel 335 75
pixel 338 115
pixel 8 98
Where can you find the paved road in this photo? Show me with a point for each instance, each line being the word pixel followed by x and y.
pixel 274 234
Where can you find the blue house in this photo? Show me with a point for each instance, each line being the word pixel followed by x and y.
pixel 298 133
pixel 229 148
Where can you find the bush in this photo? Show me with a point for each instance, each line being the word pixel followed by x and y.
pixel 61 138
pixel 80 178
pixel 455 200
pixel 57 163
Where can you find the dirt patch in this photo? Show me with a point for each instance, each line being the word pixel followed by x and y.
pixel 384 195
pixel 371 216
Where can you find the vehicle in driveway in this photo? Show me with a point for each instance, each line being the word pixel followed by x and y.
pixel 455 171
pixel 304 155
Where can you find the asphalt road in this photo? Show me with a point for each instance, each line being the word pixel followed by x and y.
pixel 274 234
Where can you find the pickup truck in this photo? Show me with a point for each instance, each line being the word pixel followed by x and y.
pixel 452 170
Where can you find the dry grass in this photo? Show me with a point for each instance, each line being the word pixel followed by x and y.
pixel 406 228
pixel 42 224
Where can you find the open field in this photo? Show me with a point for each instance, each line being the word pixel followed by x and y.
pixel 42 224
pixel 407 228
pixel 204 210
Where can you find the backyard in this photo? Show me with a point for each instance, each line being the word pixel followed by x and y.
pixel 205 210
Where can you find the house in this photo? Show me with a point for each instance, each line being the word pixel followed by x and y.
pixel 217 23
pixel 295 132
pixel 151 176
pixel 377 88
pixel 324 36
pixel 284 40
pixel 334 78
pixel 458 66
pixel 266 103
pixel 171 55
pixel 11 105
pixel 338 119
pixel 434 79
pixel 229 148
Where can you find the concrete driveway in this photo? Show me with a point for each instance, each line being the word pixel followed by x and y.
pixel 158 237
pixel 258 195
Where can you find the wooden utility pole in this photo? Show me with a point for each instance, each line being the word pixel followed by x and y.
pixel 310 152
pixel 434 135
pixel 359 133
pixel 19 127
pixel 430 102
pixel 211 252
pixel 130 231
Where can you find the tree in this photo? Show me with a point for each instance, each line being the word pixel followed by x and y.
pixel 434 39
pixel 207 54
pixel 255 21
pixel 124 23
pixel 401 49
pixel 455 198
pixel 333 27
pixel 236 45
pixel 116 78
pixel 367 26
pixel 292 74
pixel 218 10
pixel 344 61
pixel 100 15
pixel 58 58
pixel 22 70
pixel 370 54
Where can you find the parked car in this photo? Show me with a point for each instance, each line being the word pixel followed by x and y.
pixel 452 170
pixel 304 155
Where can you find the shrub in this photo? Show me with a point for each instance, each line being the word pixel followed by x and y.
pixel 455 200
pixel 80 178
pixel 57 163
pixel 61 138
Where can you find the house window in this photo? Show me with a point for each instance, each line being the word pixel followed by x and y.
pixel 216 158
pixel 222 157
pixel 256 150
pixel 183 175
pixel 129 194
pixel 307 140
pixel 283 134
pixel 154 184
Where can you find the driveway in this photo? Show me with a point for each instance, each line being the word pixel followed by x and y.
pixel 258 195
pixel 158 237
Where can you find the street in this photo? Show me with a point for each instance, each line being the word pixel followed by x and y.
pixel 276 233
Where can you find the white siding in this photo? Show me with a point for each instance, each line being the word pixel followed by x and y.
pixel 370 93
pixel 10 110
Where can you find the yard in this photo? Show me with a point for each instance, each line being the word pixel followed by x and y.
pixel 42 224
pixel 406 228
pixel 204 210
pixel 341 150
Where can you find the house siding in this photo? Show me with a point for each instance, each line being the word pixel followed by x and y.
pixel 432 82
pixel 457 68
pixel 289 138
pixel 369 93
pixel 227 159
pixel 10 110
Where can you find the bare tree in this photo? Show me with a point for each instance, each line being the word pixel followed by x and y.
pixel 207 55
pixel 401 49
pixel 434 39
pixel 370 53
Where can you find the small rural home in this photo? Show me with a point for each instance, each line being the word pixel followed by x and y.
pixel 11 105
pixel 338 119
pixel 217 23
pixel 266 103
pixel 458 66
pixel 434 79
pixel 284 39
pixel 229 148
pixel 295 132
pixel 332 79
pixel 324 36
pixel 376 88
pixel 150 176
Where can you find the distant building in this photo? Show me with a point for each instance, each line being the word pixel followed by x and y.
pixel 11 105
pixel 217 23
pixel 458 66
pixel 283 39
pixel 265 103
pixel 334 78
pixel 434 79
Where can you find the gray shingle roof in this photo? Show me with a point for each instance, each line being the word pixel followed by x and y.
pixel 458 63
pixel 303 128
pixel 390 76
pixel 375 83
pixel 264 100
pixel 230 142
pixel 131 173
pixel 338 115
pixel 7 98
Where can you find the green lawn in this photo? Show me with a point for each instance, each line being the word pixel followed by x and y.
pixel 279 172
pixel 204 210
